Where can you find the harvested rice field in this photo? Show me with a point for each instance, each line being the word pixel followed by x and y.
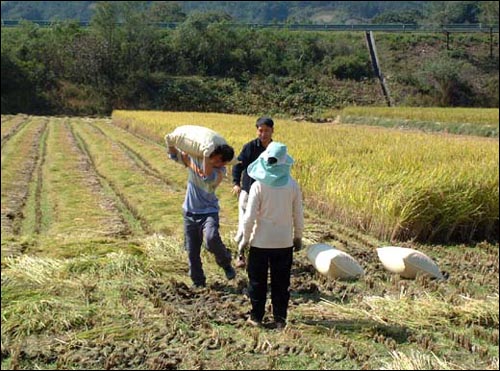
pixel 94 274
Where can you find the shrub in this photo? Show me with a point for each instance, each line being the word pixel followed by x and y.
pixel 352 67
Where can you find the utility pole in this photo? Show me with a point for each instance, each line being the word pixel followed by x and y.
pixel 491 42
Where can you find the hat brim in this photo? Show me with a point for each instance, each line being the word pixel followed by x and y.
pixel 276 175
pixel 287 161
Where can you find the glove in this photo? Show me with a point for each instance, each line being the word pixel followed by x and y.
pixel 297 244
pixel 241 262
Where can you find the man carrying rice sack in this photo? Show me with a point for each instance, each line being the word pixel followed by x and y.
pixel 201 209
pixel 272 226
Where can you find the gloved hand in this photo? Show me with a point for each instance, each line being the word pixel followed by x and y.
pixel 297 244
pixel 241 261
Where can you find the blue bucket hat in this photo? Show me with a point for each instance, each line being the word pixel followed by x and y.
pixel 273 166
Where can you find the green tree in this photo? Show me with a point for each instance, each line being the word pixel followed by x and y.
pixel 166 11
pixel 489 12
pixel 26 77
pixel 18 91
pixel 413 16
pixel 199 42
pixel 105 20
pixel 137 35
pixel 449 12
pixel 447 79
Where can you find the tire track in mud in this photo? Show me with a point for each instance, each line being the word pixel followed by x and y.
pixel 219 303
pixel 16 190
pixel 121 200
pixel 116 223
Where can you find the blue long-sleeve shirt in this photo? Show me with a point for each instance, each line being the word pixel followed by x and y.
pixel 200 193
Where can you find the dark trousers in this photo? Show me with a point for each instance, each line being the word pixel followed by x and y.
pixel 280 263
pixel 196 228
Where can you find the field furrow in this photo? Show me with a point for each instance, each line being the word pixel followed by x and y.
pixel 32 210
pixel 115 223
pixel 150 199
pixel 18 165
pixel 6 118
pixel 8 123
pixel 76 206
pixel 151 155
pixel 151 158
pixel 12 125
pixel 135 225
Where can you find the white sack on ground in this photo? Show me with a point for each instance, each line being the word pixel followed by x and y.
pixel 333 263
pixel 197 141
pixel 407 262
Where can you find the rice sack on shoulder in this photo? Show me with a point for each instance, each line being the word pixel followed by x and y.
pixel 196 141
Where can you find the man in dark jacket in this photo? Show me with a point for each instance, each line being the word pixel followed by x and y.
pixel 241 181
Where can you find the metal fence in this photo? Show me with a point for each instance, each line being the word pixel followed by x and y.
pixel 447 28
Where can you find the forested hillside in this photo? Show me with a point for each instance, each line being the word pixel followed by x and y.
pixel 279 11
pixel 122 61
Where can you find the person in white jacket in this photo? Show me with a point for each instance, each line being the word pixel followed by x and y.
pixel 272 226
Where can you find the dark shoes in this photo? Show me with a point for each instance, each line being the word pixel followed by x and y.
pixel 230 272
pixel 251 321
pixel 280 325
pixel 198 285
